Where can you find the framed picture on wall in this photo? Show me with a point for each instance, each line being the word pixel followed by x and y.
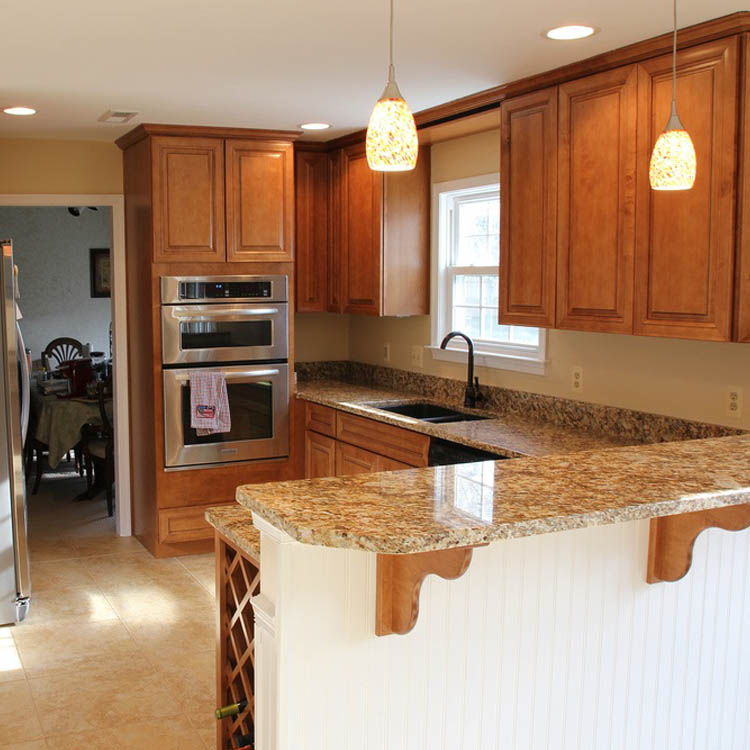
pixel 101 276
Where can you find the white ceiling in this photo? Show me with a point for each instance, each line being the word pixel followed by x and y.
pixel 277 63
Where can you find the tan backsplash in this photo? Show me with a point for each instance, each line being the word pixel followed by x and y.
pixel 686 379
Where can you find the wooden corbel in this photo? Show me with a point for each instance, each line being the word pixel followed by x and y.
pixel 671 538
pixel 399 581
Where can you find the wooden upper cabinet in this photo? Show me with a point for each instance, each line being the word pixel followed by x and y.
pixel 685 239
pixel 361 233
pixel 260 201
pixel 383 242
pixel 312 226
pixel 188 199
pixel 528 209
pixel 333 257
pixel 596 201
pixel 742 293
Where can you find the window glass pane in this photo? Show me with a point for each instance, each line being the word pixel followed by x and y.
pixel 466 290
pixel 474 297
pixel 478 242
pixel 524 335
pixel 491 329
pixel 467 320
pixel 473 217
pixel 489 291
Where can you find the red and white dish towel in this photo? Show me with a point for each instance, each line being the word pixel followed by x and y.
pixel 209 403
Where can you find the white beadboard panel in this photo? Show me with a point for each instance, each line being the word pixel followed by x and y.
pixel 550 642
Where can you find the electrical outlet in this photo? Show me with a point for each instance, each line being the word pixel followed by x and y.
pixel 417 359
pixel 387 352
pixel 734 401
pixel 576 382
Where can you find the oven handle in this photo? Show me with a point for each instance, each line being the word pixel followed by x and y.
pixel 181 378
pixel 225 312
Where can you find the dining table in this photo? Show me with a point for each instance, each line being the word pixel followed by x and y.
pixel 60 420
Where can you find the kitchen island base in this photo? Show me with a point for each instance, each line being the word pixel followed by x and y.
pixel 554 640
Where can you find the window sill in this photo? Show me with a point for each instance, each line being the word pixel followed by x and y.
pixel 527 365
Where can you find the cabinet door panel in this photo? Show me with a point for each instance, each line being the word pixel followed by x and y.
pixel 528 209
pixel 353 460
pixel 334 232
pixel 742 301
pixel 311 186
pixel 188 185
pixel 596 202
pixel 685 240
pixel 361 233
pixel 320 455
pixel 260 201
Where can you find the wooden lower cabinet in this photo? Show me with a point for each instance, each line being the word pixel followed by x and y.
pixel 353 460
pixel 390 464
pixel 178 525
pixel 346 449
pixel 395 442
pixel 320 455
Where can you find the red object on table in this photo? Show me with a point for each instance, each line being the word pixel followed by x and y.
pixel 80 374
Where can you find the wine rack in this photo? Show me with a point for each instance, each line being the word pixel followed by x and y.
pixel 237 581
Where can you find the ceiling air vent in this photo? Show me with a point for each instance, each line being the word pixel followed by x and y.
pixel 117 116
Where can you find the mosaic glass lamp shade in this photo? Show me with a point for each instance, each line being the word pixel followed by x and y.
pixel 673 160
pixel 392 144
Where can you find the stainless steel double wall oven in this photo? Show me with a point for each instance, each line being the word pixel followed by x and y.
pixel 238 325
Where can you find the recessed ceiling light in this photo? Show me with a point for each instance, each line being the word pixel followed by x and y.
pixel 19 111
pixel 566 33
pixel 315 126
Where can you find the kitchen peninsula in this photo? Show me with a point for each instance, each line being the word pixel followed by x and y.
pixel 551 629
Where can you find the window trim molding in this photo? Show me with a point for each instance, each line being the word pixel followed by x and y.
pixel 511 358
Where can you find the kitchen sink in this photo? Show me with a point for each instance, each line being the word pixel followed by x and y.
pixel 429 412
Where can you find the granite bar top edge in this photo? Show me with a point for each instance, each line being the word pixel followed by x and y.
pixel 405 546
pixel 646 482
pixel 235 522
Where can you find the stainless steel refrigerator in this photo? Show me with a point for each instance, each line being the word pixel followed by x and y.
pixel 15 575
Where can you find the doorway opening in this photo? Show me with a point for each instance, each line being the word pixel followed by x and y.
pixel 69 250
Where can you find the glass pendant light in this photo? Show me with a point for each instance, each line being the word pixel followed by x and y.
pixel 673 162
pixel 392 144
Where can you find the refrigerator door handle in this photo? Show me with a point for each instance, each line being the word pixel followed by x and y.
pixel 25 384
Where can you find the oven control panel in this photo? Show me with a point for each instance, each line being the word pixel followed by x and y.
pixel 177 290
pixel 203 290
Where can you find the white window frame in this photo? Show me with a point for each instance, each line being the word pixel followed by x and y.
pixel 517 357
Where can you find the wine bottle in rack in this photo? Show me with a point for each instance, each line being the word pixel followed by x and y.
pixel 233 709
pixel 245 741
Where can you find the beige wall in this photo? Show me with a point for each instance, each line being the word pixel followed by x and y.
pixel 321 337
pixel 681 378
pixel 30 165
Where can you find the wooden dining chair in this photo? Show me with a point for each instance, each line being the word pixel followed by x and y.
pixel 99 449
pixel 61 350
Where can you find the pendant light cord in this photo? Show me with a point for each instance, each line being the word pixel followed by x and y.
pixel 391 73
pixel 674 51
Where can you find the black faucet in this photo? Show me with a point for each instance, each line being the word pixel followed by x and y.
pixel 472 393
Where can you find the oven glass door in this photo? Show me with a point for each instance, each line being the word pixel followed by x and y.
pixel 221 333
pixel 259 410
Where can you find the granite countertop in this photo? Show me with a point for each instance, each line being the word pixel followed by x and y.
pixel 471 504
pixel 505 435
pixel 236 524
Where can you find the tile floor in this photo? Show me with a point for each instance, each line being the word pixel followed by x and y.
pixel 118 648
